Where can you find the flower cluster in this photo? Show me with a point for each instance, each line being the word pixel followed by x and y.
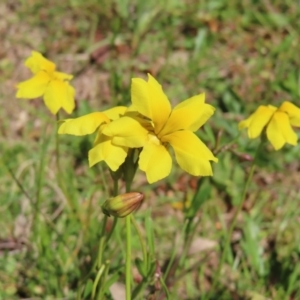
pixel 151 125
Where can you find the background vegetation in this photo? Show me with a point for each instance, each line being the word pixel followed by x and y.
pixel 242 54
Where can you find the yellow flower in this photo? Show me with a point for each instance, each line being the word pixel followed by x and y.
pixel 47 82
pixel 159 126
pixel 103 149
pixel 277 121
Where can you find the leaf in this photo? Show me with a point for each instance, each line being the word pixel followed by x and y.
pixel 88 289
pixel 141 266
pixel 200 197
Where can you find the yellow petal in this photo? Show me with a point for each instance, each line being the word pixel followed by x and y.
pixel 131 108
pixel 83 125
pixel 59 94
pixel 293 111
pixel 115 112
pixel 191 154
pixel 37 62
pixel 279 131
pixel 62 76
pixel 33 87
pixel 113 155
pixel 156 161
pixel 144 122
pixel 149 100
pixel 68 102
pixel 258 120
pixel 127 132
pixel 190 114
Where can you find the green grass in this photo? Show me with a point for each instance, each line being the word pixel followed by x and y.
pixel 242 54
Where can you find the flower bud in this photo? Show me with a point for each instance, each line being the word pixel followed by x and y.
pixel 122 205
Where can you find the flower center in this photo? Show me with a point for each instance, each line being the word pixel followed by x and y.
pixel 154 139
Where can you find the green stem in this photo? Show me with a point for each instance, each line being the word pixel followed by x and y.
pixel 97 279
pixel 233 223
pixel 144 248
pixel 165 288
pixel 128 258
pixel 60 172
pixel 116 188
pixel 225 147
pixel 57 150
pixel 128 245
pixel 61 238
pixel 104 238
pixel 102 290
pixel 115 193
pixel 102 242
pixel 173 254
pixel 112 229
pixel 188 239
pixel 40 178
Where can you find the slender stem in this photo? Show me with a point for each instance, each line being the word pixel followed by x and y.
pixel 40 177
pixel 57 151
pixel 139 289
pixel 194 267
pixel 112 229
pixel 115 193
pixel 128 246
pixel 89 212
pixel 97 279
pixel 188 238
pixel 130 167
pixel 233 223
pixel 102 242
pixel 128 258
pixel 60 180
pixel 116 188
pixel 144 248
pixel 225 147
pixel 102 290
pixel 165 288
pixel 104 238
pixel 61 237
pixel 173 254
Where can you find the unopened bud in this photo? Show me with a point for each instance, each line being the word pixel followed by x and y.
pixel 246 157
pixel 122 205
pixel 243 156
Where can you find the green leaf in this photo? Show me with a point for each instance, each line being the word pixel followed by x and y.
pixel 141 266
pixel 88 289
pixel 202 195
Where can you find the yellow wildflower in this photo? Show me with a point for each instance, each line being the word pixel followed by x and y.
pixel 47 82
pixel 103 149
pixel 278 123
pixel 159 126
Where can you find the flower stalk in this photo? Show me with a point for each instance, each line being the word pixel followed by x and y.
pixel 128 258
pixel 234 220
